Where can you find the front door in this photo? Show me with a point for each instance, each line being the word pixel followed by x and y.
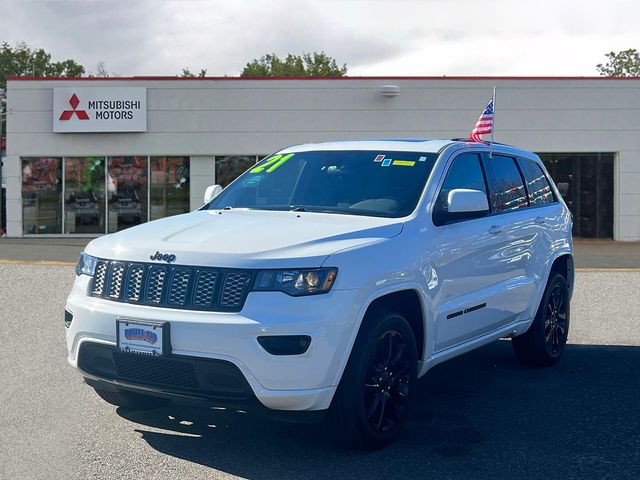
pixel 468 262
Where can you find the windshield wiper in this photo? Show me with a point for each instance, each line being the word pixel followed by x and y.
pixel 298 208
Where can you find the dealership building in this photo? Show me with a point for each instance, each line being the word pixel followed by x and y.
pixel 92 156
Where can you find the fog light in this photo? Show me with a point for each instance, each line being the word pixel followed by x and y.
pixel 68 318
pixel 285 344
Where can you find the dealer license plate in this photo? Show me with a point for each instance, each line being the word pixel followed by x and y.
pixel 136 336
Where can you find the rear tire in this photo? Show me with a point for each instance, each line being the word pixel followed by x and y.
pixel 544 343
pixel 371 404
pixel 130 400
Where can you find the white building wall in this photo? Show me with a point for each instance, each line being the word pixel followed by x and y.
pixel 12 178
pixel 628 195
pixel 205 117
pixel 202 174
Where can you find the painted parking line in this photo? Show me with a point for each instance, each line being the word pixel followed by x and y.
pixel 46 263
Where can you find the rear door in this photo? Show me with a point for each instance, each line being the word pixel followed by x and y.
pixel 546 212
pixel 522 238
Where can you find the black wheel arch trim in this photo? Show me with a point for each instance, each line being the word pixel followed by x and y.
pixel 418 325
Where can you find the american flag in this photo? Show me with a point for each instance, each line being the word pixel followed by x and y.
pixel 484 123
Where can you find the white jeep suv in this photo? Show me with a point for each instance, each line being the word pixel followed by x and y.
pixel 328 278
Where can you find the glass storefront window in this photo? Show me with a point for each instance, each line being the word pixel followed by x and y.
pixel 126 192
pixel 97 195
pixel 84 199
pixel 41 195
pixel 228 168
pixel 169 186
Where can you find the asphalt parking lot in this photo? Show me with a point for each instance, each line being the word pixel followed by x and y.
pixel 478 416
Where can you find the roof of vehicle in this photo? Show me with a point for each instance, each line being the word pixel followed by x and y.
pixel 400 144
pixel 382 144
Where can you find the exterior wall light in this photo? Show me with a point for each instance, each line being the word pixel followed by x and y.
pixel 389 91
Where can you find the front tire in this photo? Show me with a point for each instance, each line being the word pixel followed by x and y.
pixel 372 401
pixel 130 400
pixel 544 343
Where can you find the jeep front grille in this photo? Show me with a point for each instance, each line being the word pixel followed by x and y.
pixel 171 286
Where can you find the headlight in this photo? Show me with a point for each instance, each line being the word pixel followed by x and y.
pixel 298 282
pixel 86 265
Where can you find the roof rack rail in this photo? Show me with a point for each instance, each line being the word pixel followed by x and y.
pixel 484 141
pixel 467 139
pixel 399 139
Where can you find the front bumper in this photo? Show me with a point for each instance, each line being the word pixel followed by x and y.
pixel 296 382
pixel 197 378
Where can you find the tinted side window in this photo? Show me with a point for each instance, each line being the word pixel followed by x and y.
pixel 507 187
pixel 537 184
pixel 465 172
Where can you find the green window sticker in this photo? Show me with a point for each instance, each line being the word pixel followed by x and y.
pixel 272 163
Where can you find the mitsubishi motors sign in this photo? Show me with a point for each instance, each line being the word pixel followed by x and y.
pixel 99 109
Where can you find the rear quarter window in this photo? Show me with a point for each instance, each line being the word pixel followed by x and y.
pixel 538 187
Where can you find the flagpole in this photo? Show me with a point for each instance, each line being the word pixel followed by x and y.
pixel 494 123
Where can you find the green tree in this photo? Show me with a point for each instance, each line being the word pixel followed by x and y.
pixel 308 65
pixel 186 73
pixel 621 64
pixel 21 60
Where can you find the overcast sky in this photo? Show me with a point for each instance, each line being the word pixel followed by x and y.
pixel 373 37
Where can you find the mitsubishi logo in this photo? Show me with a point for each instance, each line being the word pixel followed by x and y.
pixel 67 114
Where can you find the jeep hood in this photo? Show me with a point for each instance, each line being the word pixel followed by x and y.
pixel 242 238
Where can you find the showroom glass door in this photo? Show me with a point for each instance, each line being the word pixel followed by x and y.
pixel 84 199
pixel 127 180
pixel 585 181
pixel 41 195
pixel 170 181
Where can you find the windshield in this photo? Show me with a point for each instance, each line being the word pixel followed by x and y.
pixel 376 183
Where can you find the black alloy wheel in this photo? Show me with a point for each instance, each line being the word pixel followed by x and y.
pixel 556 321
pixel 544 343
pixel 372 402
pixel 387 381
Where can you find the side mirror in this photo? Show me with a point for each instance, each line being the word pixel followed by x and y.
pixel 211 192
pixel 463 200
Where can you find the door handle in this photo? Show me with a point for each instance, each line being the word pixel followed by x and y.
pixel 541 220
pixel 495 229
